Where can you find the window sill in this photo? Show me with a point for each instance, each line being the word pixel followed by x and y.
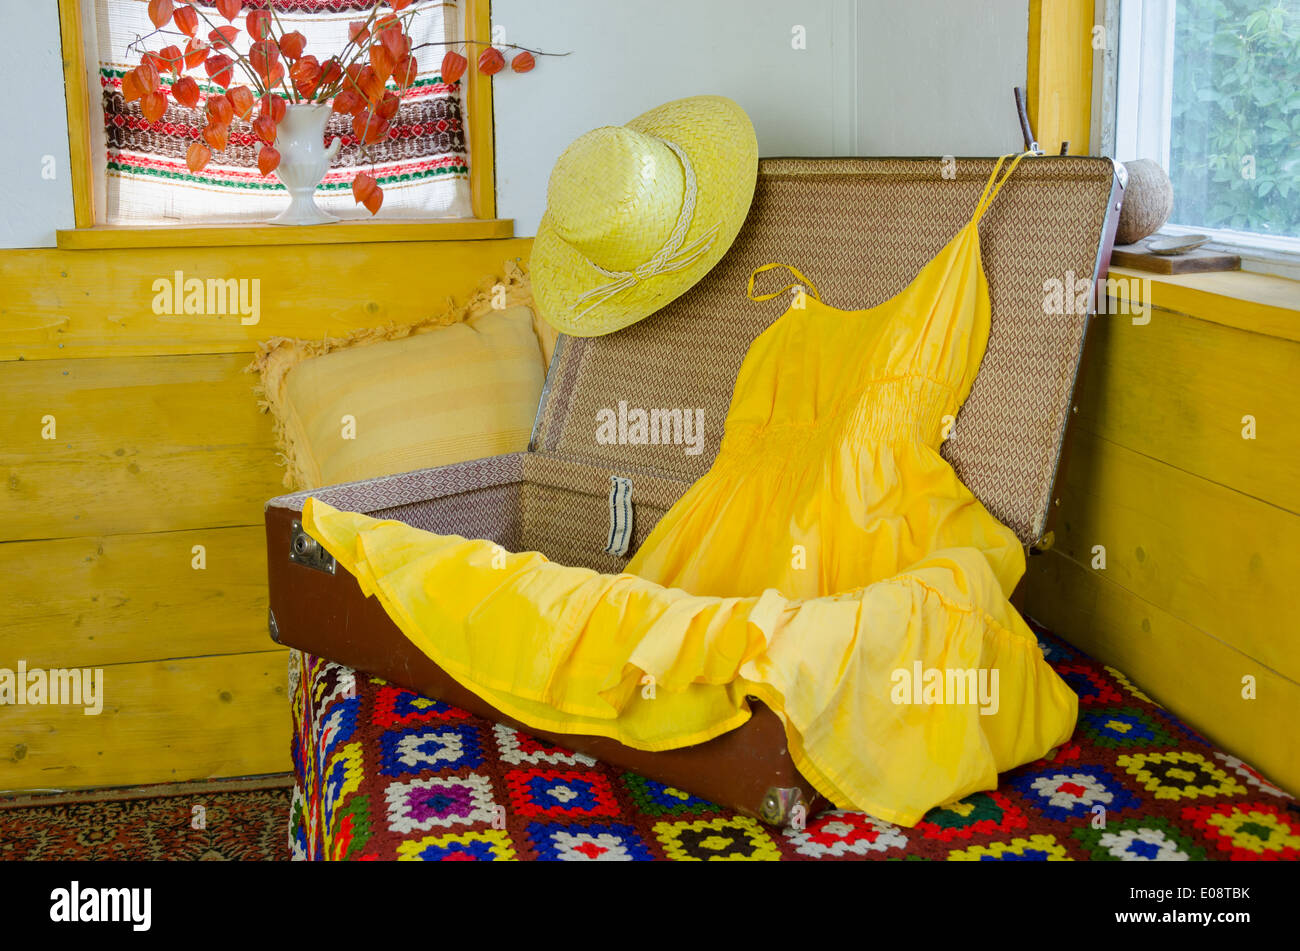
pixel 1260 303
pixel 102 237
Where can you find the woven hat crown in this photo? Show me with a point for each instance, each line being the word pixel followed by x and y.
pixel 615 195
pixel 638 213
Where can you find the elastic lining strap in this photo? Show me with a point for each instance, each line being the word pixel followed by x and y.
pixel 620 516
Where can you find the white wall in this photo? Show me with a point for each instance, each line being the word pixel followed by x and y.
pixel 878 77
pixel 35 120
pixel 624 62
pixel 936 76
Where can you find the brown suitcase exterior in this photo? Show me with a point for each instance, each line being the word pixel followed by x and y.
pixel 859 228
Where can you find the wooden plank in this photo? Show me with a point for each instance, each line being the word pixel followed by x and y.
pixel 1194 675
pixel 1260 303
pixel 101 303
pixel 152 492
pixel 258 234
pixel 102 405
pixel 1198 260
pixel 1060 73
pixel 198 718
pixel 1210 556
pixel 114 599
pixel 144 444
pixel 1177 389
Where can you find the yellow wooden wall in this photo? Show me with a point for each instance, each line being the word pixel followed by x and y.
pixel 160 447
pixel 1200 526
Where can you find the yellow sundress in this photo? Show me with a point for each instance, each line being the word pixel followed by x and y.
pixel 830 564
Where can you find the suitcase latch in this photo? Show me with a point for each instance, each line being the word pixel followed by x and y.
pixel 304 550
pixel 780 804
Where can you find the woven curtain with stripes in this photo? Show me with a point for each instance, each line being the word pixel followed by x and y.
pixel 423 166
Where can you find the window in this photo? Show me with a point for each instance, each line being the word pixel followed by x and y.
pixel 136 172
pixel 1210 89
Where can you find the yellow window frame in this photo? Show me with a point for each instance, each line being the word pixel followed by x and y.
pixel 1059 84
pixel 88 234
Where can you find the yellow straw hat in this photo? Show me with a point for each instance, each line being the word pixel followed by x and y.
pixel 636 214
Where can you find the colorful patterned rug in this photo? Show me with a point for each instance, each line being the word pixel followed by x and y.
pixel 240 819
pixel 386 774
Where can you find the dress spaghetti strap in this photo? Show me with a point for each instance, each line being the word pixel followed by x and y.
pixel 806 284
pixel 995 184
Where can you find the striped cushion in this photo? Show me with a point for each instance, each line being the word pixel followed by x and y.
pixel 452 393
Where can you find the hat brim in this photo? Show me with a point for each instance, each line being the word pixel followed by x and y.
pixel 718 137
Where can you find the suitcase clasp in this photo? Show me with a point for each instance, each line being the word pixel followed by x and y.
pixel 780 804
pixel 304 550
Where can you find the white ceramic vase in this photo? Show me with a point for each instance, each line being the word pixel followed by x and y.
pixel 304 160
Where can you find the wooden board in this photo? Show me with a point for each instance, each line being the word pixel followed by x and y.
pixel 1189 262
pixel 1213 557
pixel 1198 677
pixel 114 599
pixel 58 304
pixel 1260 303
pixel 1177 389
pixel 145 444
pixel 159 445
pixel 353 229
pixel 161 722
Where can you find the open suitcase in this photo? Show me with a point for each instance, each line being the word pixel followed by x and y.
pixel 860 229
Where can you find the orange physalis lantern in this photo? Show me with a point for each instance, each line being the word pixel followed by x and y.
pixel 453 66
pixel 490 61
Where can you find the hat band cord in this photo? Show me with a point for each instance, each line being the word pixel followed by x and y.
pixel 671 257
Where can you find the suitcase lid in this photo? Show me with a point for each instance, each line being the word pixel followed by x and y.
pixel 861 229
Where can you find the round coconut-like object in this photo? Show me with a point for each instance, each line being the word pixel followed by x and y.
pixel 1148 200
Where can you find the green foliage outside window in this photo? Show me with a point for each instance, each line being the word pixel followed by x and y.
pixel 1235 132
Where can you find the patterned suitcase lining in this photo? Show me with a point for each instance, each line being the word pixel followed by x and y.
pixel 523 502
pixel 388 492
